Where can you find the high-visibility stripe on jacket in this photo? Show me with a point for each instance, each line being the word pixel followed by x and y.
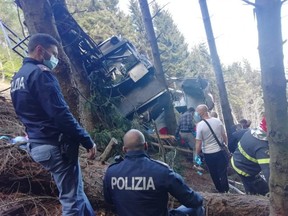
pixel 255 160
pixel 251 156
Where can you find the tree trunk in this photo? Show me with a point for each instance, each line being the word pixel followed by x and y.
pixel 20 176
pixel 79 75
pixel 236 205
pixel 275 102
pixel 169 109
pixel 226 110
pixel 39 18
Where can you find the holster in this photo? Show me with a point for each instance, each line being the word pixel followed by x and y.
pixel 69 149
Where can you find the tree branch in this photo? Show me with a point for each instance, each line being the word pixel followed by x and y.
pixel 159 36
pixel 172 147
pixel 79 11
pixel 251 3
pixel 159 11
pixel 151 2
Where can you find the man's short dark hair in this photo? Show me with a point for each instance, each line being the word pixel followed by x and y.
pixel 42 39
pixel 243 121
pixel 191 109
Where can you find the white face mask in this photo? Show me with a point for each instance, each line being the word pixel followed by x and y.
pixel 51 63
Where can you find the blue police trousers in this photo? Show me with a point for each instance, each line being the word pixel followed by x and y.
pixel 67 177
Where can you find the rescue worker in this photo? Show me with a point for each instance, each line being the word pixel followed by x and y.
pixel 237 135
pixel 41 107
pixel 251 157
pixel 139 186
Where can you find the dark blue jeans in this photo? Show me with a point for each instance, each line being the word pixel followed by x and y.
pixel 217 165
pixel 67 177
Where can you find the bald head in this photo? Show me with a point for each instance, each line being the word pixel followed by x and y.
pixel 202 109
pixel 134 140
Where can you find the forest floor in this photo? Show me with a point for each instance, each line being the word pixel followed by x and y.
pixel 25 189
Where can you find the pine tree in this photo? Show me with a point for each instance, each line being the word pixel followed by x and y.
pixel 102 19
pixel 244 91
pixel 142 42
pixel 172 45
pixel 9 61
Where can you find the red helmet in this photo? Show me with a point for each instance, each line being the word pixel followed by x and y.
pixel 263 124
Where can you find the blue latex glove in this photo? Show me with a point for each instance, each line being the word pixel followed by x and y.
pixel 19 139
pixel 198 160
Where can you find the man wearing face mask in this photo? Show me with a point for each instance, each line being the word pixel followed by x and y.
pixel 205 140
pixel 41 107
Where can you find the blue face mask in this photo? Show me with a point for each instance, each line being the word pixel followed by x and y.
pixel 51 63
pixel 197 117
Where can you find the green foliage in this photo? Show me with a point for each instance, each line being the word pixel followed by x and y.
pixel 110 122
pixel 200 62
pixel 175 55
pixel 244 91
pixel 101 19
pixel 171 42
pixel 10 62
pixel 8 14
pixel 172 46
pixel 141 41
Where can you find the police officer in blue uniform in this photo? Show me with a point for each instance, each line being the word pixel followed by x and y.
pixel 40 105
pixel 139 186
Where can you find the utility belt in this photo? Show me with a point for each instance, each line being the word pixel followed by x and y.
pixel 38 142
pixel 69 149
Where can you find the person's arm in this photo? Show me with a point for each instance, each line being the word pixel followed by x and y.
pixel 47 92
pixel 178 189
pixel 198 146
pixel 263 159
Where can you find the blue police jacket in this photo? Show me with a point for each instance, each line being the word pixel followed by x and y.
pixel 139 186
pixel 41 107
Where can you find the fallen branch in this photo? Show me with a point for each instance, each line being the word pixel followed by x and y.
pixel 236 189
pixel 172 147
pixel 235 182
pixel 105 155
pixel 161 146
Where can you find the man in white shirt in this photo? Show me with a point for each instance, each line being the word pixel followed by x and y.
pixel 214 157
